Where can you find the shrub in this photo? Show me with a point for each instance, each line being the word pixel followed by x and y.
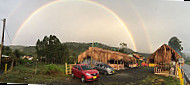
pixel 25 62
pixel 53 69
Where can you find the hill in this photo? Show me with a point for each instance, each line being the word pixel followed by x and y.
pixel 74 47
pixel 81 47
pixel 27 50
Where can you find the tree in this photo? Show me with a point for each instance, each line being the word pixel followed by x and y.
pixel 175 43
pixel 7 51
pixel 17 53
pixel 123 45
pixel 51 49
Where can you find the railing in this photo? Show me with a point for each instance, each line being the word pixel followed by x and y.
pixel 181 75
pixel 152 65
pixel 68 68
pixel 117 66
pixel 133 65
pixel 186 78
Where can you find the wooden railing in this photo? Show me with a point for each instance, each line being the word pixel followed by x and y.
pixel 68 68
pixel 181 75
pixel 117 66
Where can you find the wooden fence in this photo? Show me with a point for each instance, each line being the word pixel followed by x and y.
pixel 117 66
pixel 68 68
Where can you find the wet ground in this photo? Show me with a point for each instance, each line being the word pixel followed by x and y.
pixel 186 69
pixel 121 77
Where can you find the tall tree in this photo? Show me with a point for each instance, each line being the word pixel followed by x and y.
pixel 175 43
pixel 123 45
pixel 51 49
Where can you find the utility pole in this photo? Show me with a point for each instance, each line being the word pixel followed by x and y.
pixel 2 41
pixel 91 55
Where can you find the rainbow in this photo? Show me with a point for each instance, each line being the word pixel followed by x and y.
pixel 143 26
pixel 87 1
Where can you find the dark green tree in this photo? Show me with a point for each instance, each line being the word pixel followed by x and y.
pixel 51 49
pixel 175 43
pixel 7 51
pixel 17 53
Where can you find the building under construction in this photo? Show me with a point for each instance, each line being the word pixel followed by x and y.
pixel 105 56
pixel 166 61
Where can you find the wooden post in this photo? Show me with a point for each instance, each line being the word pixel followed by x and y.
pixel 5 68
pixel 66 69
pixel 36 67
pixel 117 65
pixel 2 40
pixel 70 68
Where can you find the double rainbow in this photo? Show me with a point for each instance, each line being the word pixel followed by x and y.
pixel 86 1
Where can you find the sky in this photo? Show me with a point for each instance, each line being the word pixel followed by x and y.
pixel 144 25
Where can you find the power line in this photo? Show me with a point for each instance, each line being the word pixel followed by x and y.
pixel 8 35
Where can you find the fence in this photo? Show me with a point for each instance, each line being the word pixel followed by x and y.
pixel 68 68
pixel 117 66
pixel 181 75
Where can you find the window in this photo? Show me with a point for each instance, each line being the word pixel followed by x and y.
pixel 85 67
pixel 79 68
pixel 107 66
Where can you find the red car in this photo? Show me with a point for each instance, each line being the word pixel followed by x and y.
pixel 84 72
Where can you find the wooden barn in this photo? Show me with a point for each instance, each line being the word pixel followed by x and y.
pixel 106 56
pixel 166 61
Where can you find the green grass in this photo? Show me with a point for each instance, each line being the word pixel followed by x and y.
pixel 47 74
pixel 188 63
pixel 26 74
pixel 152 79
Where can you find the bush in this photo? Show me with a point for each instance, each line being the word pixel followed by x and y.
pixel 53 69
pixel 25 62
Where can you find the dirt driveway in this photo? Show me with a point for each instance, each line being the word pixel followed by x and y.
pixel 121 77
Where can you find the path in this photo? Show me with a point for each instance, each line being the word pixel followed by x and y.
pixel 186 69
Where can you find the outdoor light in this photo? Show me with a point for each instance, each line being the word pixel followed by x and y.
pixel 88 74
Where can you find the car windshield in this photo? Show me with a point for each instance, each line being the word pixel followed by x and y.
pixel 107 66
pixel 86 68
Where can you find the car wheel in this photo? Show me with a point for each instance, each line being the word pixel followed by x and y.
pixel 72 75
pixel 105 73
pixel 82 79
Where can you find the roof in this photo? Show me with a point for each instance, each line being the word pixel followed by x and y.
pixel 81 64
pixel 103 55
pixel 164 54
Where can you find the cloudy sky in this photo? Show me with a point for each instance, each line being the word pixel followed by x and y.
pixel 150 22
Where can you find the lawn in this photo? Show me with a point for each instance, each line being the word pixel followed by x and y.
pixel 26 74
pixel 152 79
pixel 54 74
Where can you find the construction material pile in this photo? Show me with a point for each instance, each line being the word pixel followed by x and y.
pixel 165 54
pixel 102 55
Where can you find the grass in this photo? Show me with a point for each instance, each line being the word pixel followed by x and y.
pixel 26 74
pixel 152 79
pixel 46 74
pixel 188 63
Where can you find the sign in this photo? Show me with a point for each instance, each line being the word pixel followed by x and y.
pixel 181 60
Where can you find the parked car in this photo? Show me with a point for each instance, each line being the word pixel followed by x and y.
pixel 85 72
pixel 104 68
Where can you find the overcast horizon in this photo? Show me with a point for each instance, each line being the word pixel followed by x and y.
pixel 150 22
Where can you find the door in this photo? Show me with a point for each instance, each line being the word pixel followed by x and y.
pixel 74 70
pixel 101 68
pixel 79 71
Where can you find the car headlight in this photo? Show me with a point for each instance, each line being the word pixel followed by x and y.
pixel 88 74
pixel 108 69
